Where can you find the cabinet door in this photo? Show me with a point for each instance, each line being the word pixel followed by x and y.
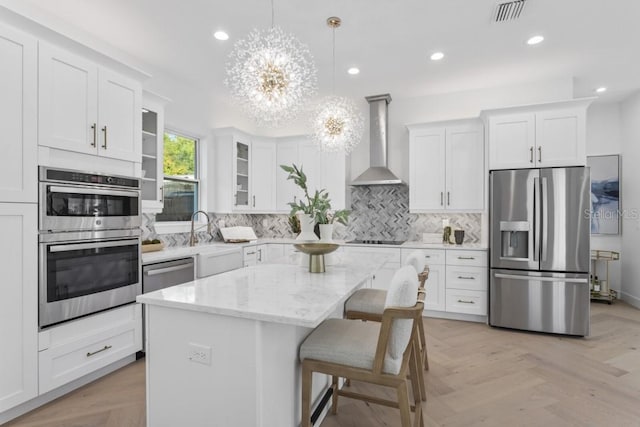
pixel 241 174
pixel 435 288
pixel 119 105
pixel 560 138
pixel 67 95
pixel 275 252
pixel 263 176
pixel 512 141
pixel 19 304
pixel 152 156
pixel 18 109
pixel 427 169
pixel 332 177
pixel 465 174
pixel 286 190
pixel 382 277
pixel 250 256
pixel 262 255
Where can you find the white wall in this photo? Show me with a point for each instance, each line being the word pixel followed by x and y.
pixel 604 136
pixel 630 114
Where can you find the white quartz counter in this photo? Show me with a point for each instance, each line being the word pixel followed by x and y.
pixel 278 293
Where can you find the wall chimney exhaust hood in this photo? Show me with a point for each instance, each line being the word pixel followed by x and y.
pixel 378 172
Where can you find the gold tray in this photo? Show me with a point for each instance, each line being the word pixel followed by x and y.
pixel 153 247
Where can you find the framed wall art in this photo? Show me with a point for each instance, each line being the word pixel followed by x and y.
pixel 605 194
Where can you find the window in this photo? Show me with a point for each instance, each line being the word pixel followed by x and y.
pixel 180 191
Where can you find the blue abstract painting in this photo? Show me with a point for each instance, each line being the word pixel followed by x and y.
pixel 605 194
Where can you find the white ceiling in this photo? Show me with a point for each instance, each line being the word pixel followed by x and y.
pixel 595 41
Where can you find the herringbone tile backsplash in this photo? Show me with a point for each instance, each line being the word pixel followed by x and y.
pixel 378 212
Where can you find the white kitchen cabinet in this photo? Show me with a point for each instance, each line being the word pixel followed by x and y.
pixel 535 136
pixel 467 282
pixel 323 170
pixel 18 109
pixel 263 176
pixel 275 252
pixel 79 347
pixel 19 304
pixel 152 152
pixel 435 285
pixel 254 255
pixel 86 108
pixel 382 277
pixel 446 167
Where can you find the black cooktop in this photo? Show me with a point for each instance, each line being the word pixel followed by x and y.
pixel 377 242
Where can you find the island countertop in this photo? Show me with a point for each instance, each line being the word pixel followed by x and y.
pixel 279 293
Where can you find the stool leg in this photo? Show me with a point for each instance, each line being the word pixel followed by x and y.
pixel 403 404
pixel 307 380
pixel 423 344
pixel 414 372
pixel 334 396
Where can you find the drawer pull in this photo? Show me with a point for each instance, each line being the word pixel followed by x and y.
pixel 465 301
pixel 427 256
pixel 466 257
pixel 106 347
pixel 250 253
pixel 466 277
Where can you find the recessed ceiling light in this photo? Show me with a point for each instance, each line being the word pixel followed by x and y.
pixel 437 56
pixel 535 40
pixel 353 71
pixel 601 89
pixel 221 35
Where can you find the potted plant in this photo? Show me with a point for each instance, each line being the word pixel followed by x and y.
pixel 310 207
pixel 327 218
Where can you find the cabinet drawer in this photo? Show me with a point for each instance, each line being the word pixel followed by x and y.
pixel 471 278
pixel 466 301
pixel 89 349
pixel 470 258
pixel 431 256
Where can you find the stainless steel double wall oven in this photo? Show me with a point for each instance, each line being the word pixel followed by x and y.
pixel 89 243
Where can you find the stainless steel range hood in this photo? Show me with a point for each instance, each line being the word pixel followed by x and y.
pixel 378 172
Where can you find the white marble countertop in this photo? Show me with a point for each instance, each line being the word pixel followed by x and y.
pixel 280 293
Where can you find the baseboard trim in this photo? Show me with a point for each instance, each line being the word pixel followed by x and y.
pixel 630 299
pixel 38 401
pixel 455 316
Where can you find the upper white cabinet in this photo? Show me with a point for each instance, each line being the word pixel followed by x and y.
pixel 249 164
pixel 323 170
pixel 537 136
pixel 152 151
pixel 446 166
pixel 18 108
pixel 19 303
pixel 86 108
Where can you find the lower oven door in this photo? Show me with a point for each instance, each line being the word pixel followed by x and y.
pixel 83 277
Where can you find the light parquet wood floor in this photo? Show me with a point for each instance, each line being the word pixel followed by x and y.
pixel 479 376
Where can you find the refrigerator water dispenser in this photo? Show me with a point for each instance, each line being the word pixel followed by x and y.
pixel 514 240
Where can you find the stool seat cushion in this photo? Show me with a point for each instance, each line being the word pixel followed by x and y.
pixel 347 342
pixel 367 301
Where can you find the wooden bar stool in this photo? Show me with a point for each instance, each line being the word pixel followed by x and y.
pixel 377 353
pixel 368 304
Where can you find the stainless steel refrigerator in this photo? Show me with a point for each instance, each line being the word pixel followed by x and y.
pixel 539 244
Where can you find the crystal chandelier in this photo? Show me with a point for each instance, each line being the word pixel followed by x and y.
pixel 271 75
pixel 337 124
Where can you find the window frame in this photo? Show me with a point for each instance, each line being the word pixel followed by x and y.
pixel 170 227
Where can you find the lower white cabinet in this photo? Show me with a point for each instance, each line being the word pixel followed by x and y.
pixel 254 255
pixel 274 252
pixel 77 348
pixel 382 277
pixel 466 302
pixel 18 304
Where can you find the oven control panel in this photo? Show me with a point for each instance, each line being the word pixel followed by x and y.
pixel 70 176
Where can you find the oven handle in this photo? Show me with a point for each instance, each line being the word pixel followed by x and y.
pixel 97 245
pixel 77 190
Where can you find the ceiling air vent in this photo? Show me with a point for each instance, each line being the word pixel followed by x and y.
pixel 510 10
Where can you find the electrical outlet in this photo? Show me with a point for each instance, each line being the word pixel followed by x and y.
pixel 199 353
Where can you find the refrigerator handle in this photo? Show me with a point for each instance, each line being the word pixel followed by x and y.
pixel 545 218
pixel 536 218
pixel 541 278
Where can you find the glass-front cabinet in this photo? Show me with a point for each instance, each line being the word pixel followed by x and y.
pixel 242 175
pixel 152 152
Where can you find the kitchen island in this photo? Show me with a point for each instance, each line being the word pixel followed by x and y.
pixel 223 350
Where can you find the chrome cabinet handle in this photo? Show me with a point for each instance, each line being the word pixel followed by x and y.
pixel 168 269
pixel 466 257
pixel 104 129
pixel 92 353
pixel 539 154
pixel 250 253
pixel 254 201
pixel 465 301
pixel 259 254
pixel 427 256
pixel 530 154
pixel 466 277
pixel 94 127
pixel 441 198
pixel 448 199
pixel 162 194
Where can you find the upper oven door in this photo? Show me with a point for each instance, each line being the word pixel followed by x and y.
pixel 81 207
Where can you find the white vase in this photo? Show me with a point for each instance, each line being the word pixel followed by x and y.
pixel 326 232
pixel 307 222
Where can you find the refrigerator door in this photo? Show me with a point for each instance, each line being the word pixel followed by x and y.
pixel 544 302
pixel 565 208
pixel 514 222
